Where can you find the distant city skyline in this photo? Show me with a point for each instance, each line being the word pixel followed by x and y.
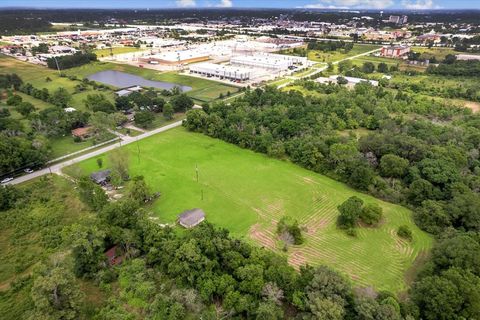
pixel 326 4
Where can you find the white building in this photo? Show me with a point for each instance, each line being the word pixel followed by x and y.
pixel 467 57
pixel 268 61
pixel 351 80
pixel 221 71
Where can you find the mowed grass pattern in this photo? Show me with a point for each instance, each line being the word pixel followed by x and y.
pixel 248 193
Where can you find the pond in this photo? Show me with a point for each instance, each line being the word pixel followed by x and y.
pixel 124 80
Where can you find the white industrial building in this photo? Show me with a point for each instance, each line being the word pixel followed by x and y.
pixel 221 71
pixel 268 61
pixel 351 80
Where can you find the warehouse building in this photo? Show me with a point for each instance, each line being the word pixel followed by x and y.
pixel 396 51
pixel 221 71
pixel 268 61
pixel 177 57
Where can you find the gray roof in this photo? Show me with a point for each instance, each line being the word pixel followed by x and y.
pixel 100 176
pixel 191 218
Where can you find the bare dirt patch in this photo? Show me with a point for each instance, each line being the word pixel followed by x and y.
pixel 315 225
pixel 296 259
pixel 474 106
pixel 263 238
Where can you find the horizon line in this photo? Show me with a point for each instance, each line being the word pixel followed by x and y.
pixel 233 8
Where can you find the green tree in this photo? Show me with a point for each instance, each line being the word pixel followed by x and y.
pixel 25 108
pixel 451 295
pixel 168 111
pixel 393 166
pixel 144 119
pixel 405 232
pixel 55 294
pixel 371 214
pixel 382 67
pixel 91 194
pixel 119 161
pixel 61 97
pixel 181 103
pixel 368 67
pixel 350 211
pixel 138 189
pixel 98 102
pixel 326 309
pixel 87 248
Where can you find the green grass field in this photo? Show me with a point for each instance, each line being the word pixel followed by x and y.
pixel 320 56
pixel 248 193
pixel 117 50
pixel 37 75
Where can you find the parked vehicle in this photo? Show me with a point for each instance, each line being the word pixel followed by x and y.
pixel 28 170
pixel 6 180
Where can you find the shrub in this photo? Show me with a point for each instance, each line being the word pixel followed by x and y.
pixel 350 211
pixel 371 214
pixel 289 229
pixel 405 232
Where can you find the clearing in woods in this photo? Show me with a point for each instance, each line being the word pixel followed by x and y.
pixel 248 193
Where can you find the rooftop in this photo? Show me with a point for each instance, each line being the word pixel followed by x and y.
pixel 191 218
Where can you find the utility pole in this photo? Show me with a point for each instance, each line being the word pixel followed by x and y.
pixel 196 171
pixel 138 150
pixel 56 62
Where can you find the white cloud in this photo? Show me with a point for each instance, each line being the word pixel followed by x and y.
pixel 356 4
pixel 225 4
pixel 186 3
pixel 419 4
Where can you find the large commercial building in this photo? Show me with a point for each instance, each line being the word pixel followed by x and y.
pixel 395 51
pixel 268 61
pixel 177 57
pixel 221 71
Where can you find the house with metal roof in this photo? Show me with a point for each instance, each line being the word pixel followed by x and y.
pixel 191 218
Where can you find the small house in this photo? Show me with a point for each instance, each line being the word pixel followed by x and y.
pixel 82 133
pixel 101 177
pixel 191 218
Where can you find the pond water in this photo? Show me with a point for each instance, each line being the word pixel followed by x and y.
pixel 123 80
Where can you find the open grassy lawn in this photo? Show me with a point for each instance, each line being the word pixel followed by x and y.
pixel 248 193
pixel 321 56
pixel 117 50
pixel 439 53
pixel 37 75
pixel 202 89
pixel 64 145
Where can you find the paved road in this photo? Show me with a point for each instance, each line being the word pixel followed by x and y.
pixel 318 70
pixel 127 139
pixel 124 141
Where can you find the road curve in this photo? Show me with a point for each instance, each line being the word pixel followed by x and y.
pixel 124 141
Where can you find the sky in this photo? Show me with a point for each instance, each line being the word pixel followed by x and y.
pixel 333 4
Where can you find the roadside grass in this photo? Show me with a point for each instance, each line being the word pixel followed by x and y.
pixel 129 132
pixel 160 120
pixel 248 193
pixel 64 145
pixel 101 53
pixel 320 56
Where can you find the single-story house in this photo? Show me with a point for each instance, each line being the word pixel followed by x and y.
pixel 191 218
pixel 113 257
pixel 123 93
pixel 101 177
pixel 82 133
